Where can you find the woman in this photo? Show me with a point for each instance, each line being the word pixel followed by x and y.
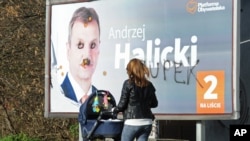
pixel 137 99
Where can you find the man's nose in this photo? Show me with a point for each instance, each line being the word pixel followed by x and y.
pixel 86 61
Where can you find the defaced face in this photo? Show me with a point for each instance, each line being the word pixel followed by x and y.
pixel 83 50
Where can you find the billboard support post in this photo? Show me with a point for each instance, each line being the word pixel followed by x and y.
pixel 200 130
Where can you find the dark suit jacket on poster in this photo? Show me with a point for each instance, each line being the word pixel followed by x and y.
pixel 69 91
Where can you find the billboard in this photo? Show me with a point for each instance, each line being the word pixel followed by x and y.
pixel 190 46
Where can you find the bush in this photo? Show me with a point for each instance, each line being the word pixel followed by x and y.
pixel 18 137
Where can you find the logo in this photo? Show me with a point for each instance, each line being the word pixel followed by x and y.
pixel 239 132
pixel 192 6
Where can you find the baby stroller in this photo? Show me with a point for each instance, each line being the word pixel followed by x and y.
pixel 96 119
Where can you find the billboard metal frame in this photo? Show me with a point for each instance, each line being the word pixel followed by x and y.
pixel 235 67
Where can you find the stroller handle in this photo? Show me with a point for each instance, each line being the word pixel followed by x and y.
pixel 108 113
pixel 102 91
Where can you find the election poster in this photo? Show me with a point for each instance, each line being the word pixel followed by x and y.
pixel 190 46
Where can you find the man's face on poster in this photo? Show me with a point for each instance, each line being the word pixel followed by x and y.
pixel 84 45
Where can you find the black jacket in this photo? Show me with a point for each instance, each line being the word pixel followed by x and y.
pixel 136 102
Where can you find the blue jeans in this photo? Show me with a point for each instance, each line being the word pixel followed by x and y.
pixel 140 133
